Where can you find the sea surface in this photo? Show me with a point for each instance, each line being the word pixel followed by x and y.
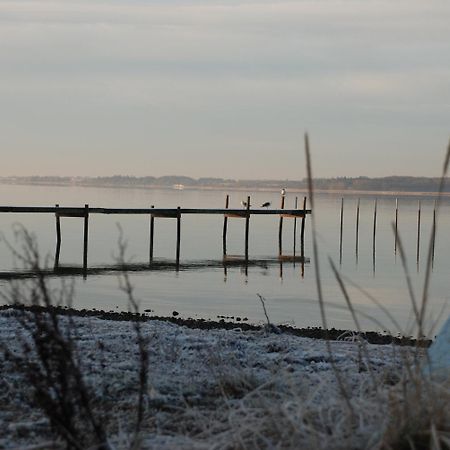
pixel 376 285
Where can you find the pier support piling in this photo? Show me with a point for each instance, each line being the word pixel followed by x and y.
pixel 86 233
pixel 58 238
pixel 178 236
pixel 247 227
pixel 225 227
pixel 152 234
pixel 280 228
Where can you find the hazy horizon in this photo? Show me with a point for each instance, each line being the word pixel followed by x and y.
pixel 228 88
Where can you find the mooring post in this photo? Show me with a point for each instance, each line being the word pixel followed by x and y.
pixel 280 227
pixel 247 226
pixel 357 228
pixel 418 233
pixel 396 226
pixel 225 227
pixel 152 233
pixel 374 232
pixel 341 230
pixel 86 232
pixel 302 231
pixel 178 236
pixel 433 235
pixel 58 237
pixel 295 228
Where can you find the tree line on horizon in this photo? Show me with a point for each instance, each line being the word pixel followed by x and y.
pixel 362 183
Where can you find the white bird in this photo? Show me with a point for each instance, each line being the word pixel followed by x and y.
pixel 265 205
pixel 283 192
pixel 244 204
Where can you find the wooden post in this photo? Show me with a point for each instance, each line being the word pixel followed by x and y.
pixel 396 226
pixel 341 230
pixel 418 233
pixel 280 228
pixel 58 238
pixel 302 231
pixel 357 228
pixel 178 236
pixel 247 225
pixel 433 231
pixel 152 233
pixel 225 227
pixel 295 228
pixel 374 232
pixel 86 231
pixel 302 239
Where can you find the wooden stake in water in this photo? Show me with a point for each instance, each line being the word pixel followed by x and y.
pixel 342 230
pixel 280 228
pixel 396 226
pixel 225 227
pixel 433 230
pixel 418 233
pixel 152 233
pixel 302 239
pixel 86 232
pixel 295 228
pixel 58 238
pixel 357 229
pixel 247 227
pixel 374 233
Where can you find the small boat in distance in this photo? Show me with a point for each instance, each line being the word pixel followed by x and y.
pixel 178 187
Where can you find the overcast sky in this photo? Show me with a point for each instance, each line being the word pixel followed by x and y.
pixel 224 88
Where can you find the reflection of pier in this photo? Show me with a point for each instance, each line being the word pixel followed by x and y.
pixel 156 266
pixel 167 213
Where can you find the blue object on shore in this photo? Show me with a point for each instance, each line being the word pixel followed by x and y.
pixel 439 354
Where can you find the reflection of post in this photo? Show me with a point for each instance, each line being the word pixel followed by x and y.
pixel 178 236
pixel 295 228
pixel 342 230
pixel 281 269
pixel 152 233
pixel 374 232
pixel 396 226
pixel 225 272
pixel 86 232
pixel 58 237
pixel 225 228
pixel 418 233
pixel 357 229
pixel 247 226
pixel 280 228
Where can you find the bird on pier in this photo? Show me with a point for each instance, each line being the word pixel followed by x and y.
pixel 265 205
pixel 244 204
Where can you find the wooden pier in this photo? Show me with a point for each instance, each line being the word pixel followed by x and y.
pixel 166 213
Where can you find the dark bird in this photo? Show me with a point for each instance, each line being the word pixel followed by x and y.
pixel 244 204
pixel 265 205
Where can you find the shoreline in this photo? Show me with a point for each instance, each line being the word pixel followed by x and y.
pixel 349 192
pixel 333 334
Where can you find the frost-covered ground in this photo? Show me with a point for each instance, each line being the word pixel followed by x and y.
pixel 216 388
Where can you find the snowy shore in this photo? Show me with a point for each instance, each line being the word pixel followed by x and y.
pixel 215 388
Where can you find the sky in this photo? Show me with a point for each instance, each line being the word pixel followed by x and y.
pixel 224 88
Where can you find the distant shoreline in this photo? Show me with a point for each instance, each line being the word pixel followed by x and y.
pixel 351 192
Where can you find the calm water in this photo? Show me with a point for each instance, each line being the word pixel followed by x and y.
pixel 208 293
